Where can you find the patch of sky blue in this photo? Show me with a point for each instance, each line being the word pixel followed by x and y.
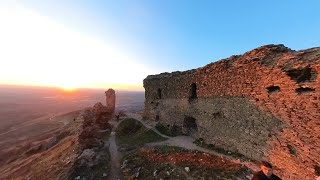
pixel 180 35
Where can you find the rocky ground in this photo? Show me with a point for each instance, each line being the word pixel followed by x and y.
pixel 46 158
pixel 148 154
pixel 169 162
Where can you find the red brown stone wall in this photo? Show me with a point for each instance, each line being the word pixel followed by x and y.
pixel 294 150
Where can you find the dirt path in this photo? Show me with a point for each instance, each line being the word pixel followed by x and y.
pixel 115 171
pixel 187 143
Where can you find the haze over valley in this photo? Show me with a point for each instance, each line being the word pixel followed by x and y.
pixel 29 114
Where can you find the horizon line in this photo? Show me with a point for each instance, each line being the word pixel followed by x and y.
pixel 115 87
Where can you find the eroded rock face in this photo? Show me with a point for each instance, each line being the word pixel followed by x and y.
pixel 111 100
pixel 98 108
pixel 102 115
pixel 95 119
pixel 263 104
pixel 93 147
pixel 90 138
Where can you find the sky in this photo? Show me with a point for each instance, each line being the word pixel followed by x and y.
pixel 106 43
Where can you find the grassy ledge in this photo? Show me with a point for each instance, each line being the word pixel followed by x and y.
pixel 131 132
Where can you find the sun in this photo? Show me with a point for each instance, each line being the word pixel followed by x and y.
pixel 68 88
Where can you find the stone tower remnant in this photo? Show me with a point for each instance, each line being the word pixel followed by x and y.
pixel 110 100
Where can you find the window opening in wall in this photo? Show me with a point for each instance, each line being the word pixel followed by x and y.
pixel 317 170
pixel 302 75
pixel 273 89
pixel 302 90
pixel 292 150
pixel 159 93
pixel 190 124
pixel 193 91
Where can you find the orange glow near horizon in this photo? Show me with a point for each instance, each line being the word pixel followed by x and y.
pixel 38 51
pixel 67 88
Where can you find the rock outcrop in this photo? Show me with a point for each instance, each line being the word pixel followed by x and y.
pixel 95 119
pixel 264 104
pixel 102 115
pixel 93 152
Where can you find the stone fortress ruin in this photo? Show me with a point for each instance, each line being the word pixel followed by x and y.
pixel 264 104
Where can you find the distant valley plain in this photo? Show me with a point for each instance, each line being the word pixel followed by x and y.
pixel 30 114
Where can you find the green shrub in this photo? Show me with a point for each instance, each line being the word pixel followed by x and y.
pixel 132 132
pixel 128 126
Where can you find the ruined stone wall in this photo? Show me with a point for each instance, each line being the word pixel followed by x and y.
pixel 264 104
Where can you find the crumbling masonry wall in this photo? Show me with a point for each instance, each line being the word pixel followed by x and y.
pixel 264 104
